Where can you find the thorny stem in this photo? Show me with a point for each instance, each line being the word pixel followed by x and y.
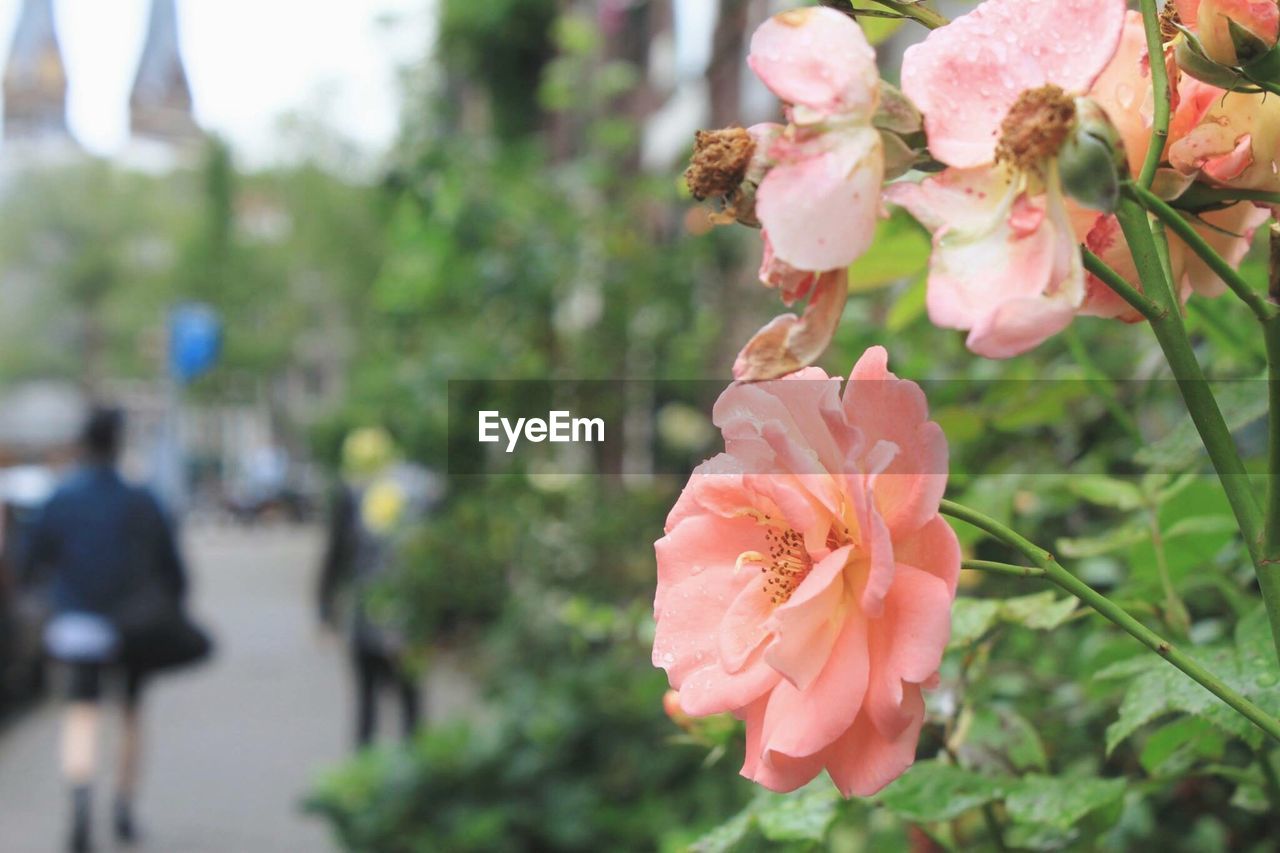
pixel 1159 89
pixel 1068 582
pixel 1201 405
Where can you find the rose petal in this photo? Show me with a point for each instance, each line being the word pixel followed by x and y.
pixel 965 76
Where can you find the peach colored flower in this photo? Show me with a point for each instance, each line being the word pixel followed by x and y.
pixel 997 88
pixel 805 577
pixel 1234 140
pixel 1208 19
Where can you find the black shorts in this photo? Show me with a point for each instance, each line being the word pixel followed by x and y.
pixel 84 682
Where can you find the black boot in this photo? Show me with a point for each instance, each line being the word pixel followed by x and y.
pixel 80 820
pixel 126 830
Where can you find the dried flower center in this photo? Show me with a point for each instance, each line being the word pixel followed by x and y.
pixel 1035 128
pixel 719 163
pixel 1169 22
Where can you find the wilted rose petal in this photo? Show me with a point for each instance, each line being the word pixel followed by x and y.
pixel 787 342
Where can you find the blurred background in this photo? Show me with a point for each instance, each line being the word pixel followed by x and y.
pixel 259 225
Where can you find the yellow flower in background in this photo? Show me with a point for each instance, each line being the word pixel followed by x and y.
pixel 383 506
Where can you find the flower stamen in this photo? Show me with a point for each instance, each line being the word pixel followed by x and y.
pixel 1035 128
pixel 789 563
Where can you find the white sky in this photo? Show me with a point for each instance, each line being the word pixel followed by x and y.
pixel 248 61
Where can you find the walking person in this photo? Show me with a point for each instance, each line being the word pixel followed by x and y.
pixel 106 554
pixel 376 502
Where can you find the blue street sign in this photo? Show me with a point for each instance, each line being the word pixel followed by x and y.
pixel 195 340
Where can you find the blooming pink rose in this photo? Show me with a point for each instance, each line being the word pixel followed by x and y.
pixel 805 578
pixel 997 88
pixel 1208 19
pixel 820 197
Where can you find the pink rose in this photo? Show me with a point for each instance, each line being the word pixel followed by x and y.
pixel 998 91
pixel 820 197
pixel 805 579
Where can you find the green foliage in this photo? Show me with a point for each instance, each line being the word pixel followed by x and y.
pixel 971 618
pixel 1156 689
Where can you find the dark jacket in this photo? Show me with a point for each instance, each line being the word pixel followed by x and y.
pixel 99 540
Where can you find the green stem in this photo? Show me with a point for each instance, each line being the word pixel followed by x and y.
pixel 1176 615
pixel 1159 89
pixel 1265 86
pixel 1269 565
pixel 917 11
pixel 1002 568
pixel 1201 405
pixel 1185 230
pixel 1269 778
pixel 993 827
pixel 1199 195
pixel 1108 608
pixel 1122 288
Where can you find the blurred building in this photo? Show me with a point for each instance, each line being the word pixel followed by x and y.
pixel 35 92
pixel 164 133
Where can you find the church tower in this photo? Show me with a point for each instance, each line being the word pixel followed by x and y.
pixel 160 105
pixel 35 81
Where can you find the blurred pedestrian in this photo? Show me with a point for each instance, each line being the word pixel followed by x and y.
pixel 116 584
pixel 376 503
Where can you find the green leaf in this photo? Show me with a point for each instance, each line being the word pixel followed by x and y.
pixel 931 791
pixel 727 835
pixel 805 815
pixel 1174 748
pixel 1000 730
pixel 971 618
pixel 1201 525
pixel 1106 491
pixel 1115 539
pixel 1162 689
pixel 1251 798
pixel 1242 403
pixel 900 249
pixel 1042 611
pixel 1059 801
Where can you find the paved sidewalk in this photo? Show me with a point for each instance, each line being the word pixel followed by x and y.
pixel 232 745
